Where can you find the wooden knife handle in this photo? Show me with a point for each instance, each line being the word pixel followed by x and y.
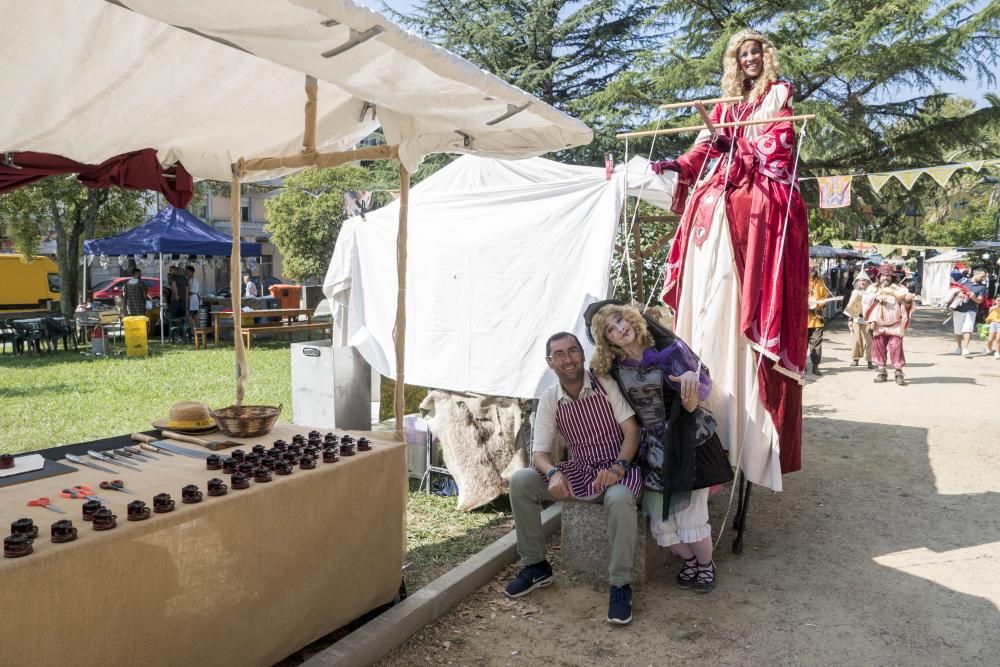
pixel 185 438
pixel 149 447
pixel 142 437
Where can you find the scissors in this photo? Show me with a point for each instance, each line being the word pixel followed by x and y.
pixel 81 491
pixel 116 485
pixel 44 502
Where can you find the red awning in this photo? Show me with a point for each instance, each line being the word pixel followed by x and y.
pixel 138 170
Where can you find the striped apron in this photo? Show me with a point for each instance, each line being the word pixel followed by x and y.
pixel 594 441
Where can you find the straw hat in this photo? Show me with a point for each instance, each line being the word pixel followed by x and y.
pixel 188 417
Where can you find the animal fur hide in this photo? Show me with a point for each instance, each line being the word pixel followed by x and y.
pixel 478 436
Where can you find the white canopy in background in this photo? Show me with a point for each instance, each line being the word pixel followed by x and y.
pixel 937 276
pixel 91 79
pixel 502 254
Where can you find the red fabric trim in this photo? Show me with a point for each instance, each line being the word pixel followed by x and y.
pixel 138 170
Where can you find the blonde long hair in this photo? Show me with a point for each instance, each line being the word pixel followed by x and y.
pixel 733 76
pixel 605 351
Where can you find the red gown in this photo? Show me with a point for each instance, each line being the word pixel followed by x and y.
pixel 769 234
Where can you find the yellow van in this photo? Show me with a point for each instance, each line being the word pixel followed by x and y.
pixel 27 286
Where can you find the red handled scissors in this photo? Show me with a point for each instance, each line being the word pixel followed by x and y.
pixel 44 502
pixel 81 491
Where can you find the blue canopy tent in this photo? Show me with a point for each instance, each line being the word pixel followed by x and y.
pixel 171 231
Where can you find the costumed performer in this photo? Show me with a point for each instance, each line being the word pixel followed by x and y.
pixel 819 294
pixel 861 331
pixel 659 375
pixel 737 271
pixel 888 308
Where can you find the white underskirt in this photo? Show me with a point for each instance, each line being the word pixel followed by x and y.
pixel 708 319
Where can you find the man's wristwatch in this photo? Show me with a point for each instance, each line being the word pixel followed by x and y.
pixel 552 471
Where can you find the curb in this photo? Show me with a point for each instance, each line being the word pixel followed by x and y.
pixel 374 640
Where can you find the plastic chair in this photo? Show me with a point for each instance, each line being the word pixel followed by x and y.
pixel 54 330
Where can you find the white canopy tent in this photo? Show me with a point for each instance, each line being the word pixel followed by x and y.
pixel 220 87
pixel 937 276
pixel 505 253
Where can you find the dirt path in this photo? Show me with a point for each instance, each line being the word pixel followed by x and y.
pixel 885 549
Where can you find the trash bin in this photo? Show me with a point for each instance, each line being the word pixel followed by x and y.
pixel 136 343
pixel 286 295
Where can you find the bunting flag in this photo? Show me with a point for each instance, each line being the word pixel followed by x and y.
pixel 943 173
pixel 878 180
pixel 834 191
pixel 908 177
pixel 975 166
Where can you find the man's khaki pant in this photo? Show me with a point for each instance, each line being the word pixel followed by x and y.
pixel 861 334
pixel 528 490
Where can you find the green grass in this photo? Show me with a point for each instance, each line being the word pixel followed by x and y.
pixel 54 399
pixel 439 537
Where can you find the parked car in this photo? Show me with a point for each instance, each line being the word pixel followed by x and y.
pixel 109 290
pixel 268 281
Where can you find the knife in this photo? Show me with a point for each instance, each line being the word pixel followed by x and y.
pixel 108 458
pixel 79 461
pixel 127 455
pixel 168 446
pixel 146 444
pixel 136 450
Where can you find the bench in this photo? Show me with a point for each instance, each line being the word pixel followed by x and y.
pixel 585 549
pixel 281 329
pixel 201 333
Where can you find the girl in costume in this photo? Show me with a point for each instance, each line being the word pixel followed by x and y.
pixel 664 382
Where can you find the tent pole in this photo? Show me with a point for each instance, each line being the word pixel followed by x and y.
pixel 399 331
pixel 242 370
pixel 162 305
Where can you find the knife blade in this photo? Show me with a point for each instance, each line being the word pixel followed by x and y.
pixel 127 455
pixel 177 449
pixel 79 461
pixel 136 450
pixel 108 458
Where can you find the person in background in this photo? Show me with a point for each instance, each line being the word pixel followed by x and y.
pixel 964 315
pixel 888 308
pixel 818 296
pixel 861 332
pixel 194 298
pixel 993 321
pixel 249 288
pixel 178 294
pixel 135 295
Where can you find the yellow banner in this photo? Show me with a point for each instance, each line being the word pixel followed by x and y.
pixel 908 177
pixel 878 180
pixel 943 173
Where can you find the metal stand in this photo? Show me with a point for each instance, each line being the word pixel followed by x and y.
pixel 429 459
pixel 742 506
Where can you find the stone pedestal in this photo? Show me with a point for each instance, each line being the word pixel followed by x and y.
pixel 585 548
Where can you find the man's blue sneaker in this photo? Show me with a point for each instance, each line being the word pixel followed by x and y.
pixel 532 577
pixel 620 605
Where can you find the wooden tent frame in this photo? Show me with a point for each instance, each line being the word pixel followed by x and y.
pixel 309 157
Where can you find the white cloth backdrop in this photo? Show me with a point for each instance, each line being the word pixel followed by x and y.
pixel 937 276
pixel 501 255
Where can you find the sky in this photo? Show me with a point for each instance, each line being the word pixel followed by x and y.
pixel 970 89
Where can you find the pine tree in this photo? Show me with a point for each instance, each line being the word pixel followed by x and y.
pixel 567 53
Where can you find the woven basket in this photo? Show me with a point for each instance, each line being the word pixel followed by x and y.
pixel 246 421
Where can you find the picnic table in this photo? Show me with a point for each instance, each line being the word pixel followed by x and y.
pixel 287 321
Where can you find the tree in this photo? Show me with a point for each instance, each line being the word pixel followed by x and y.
pixel 75 213
pixel 565 52
pixel 847 61
pixel 305 219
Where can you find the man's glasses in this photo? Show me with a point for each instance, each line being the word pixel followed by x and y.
pixel 563 355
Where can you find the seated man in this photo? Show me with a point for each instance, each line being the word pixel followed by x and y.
pixel 602 438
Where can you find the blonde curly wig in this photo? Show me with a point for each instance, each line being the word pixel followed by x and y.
pixel 733 76
pixel 605 351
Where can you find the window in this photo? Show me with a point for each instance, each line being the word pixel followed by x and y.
pixel 54 282
pixel 244 209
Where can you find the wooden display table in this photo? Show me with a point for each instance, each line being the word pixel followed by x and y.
pixel 243 579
